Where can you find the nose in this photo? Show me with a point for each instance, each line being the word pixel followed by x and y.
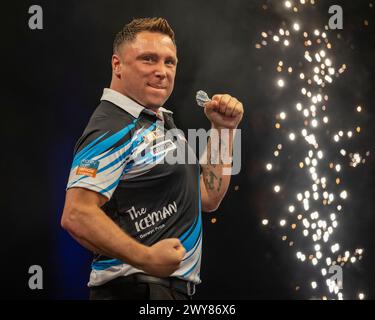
pixel 160 71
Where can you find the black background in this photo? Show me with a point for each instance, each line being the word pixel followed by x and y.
pixel 52 80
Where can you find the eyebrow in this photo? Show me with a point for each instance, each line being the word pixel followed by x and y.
pixel 150 53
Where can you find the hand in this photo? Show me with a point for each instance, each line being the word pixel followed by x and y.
pixel 224 111
pixel 164 258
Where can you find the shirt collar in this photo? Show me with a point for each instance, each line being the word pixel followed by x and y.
pixel 126 103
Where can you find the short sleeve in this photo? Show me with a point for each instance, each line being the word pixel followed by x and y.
pixel 101 155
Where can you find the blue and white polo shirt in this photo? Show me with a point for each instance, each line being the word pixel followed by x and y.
pixel 121 155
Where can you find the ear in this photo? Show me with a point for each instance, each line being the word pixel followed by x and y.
pixel 116 65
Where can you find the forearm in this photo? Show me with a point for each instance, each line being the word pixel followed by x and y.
pixel 88 245
pixel 216 164
pixel 93 229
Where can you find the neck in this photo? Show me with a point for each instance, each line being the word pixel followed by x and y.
pixel 118 88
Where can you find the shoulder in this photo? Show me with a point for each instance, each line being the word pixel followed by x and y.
pixel 108 123
pixel 108 116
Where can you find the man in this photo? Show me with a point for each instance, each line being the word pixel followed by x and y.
pixel 138 214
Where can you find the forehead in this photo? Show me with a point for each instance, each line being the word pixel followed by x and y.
pixel 151 41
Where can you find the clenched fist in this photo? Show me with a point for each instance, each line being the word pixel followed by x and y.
pixel 164 258
pixel 224 111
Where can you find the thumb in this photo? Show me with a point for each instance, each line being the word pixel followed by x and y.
pixel 211 105
pixel 181 251
pixel 216 97
pixel 175 243
pixel 214 103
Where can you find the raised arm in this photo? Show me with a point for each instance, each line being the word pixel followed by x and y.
pixel 225 113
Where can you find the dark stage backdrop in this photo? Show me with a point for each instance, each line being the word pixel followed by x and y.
pixel 52 80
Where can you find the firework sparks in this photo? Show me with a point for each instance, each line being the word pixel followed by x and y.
pixel 313 216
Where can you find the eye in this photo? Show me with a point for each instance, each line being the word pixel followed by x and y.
pixel 170 62
pixel 148 59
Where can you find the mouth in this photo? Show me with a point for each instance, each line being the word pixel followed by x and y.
pixel 157 86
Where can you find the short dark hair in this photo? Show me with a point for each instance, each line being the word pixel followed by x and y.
pixel 130 30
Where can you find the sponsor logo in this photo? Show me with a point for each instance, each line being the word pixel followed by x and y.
pixel 163 147
pixel 88 168
pixel 152 136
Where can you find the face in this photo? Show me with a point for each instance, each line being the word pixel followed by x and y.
pixel 146 67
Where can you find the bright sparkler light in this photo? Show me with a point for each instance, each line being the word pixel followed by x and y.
pixel 344 194
pixel 318 210
pixel 288 4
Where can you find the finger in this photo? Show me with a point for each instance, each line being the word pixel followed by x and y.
pixel 182 252
pixel 235 110
pixel 238 109
pixel 224 100
pixel 231 104
pixel 216 97
pixel 179 254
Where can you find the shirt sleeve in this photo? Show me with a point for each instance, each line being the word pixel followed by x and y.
pixel 101 155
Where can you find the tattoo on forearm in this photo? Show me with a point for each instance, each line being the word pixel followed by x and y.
pixel 213 152
pixel 219 187
pixel 210 178
pixel 217 148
